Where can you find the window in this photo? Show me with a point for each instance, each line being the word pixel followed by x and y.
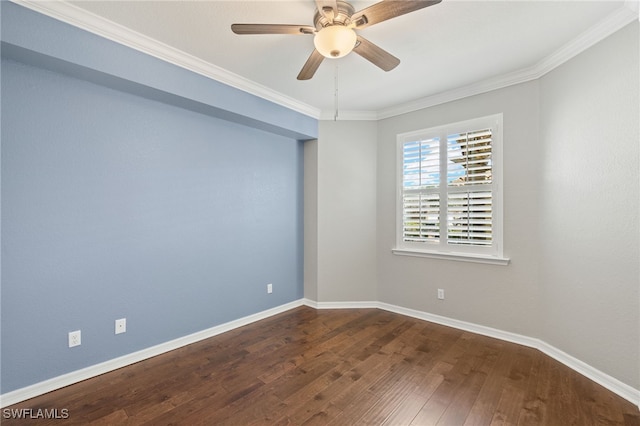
pixel 449 191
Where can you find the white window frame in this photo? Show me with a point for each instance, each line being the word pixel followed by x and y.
pixel 492 254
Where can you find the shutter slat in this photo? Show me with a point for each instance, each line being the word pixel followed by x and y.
pixel 469 219
pixel 468 170
pixel 421 219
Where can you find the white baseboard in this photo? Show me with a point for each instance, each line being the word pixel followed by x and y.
pixel 41 388
pixel 340 305
pixel 462 325
pixel 614 385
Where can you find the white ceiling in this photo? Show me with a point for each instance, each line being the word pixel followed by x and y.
pixel 443 48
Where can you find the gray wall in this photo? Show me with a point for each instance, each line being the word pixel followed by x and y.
pixel 114 204
pixel 344 191
pixel 571 213
pixel 311 220
pixel 589 141
pixel 570 208
pixel 496 296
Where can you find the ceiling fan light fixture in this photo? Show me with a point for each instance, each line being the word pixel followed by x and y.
pixel 335 41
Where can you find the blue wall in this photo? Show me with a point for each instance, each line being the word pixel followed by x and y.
pixel 119 204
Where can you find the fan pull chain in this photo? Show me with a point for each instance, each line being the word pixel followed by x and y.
pixel 335 94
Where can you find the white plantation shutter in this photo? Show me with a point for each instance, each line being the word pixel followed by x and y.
pixel 420 175
pixel 449 198
pixel 469 170
pixel 421 220
pixel 469 219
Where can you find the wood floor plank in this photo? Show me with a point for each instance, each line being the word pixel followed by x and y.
pixel 340 367
pixel 488 398
pixel 404 412
pixel 534 405
pixel 358 380
pixel 465 399
pixel 464 355
pixel 313 396
pixel 515 388
pixel 393 394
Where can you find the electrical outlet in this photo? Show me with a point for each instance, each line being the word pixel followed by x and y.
pixel 441 294
pixel 269 288
pixel 74 338
pixel 121 325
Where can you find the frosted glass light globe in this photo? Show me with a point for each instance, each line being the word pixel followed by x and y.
pixel 335 41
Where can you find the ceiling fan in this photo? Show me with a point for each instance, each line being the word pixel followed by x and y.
pixel 335 22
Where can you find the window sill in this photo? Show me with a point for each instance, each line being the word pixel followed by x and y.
pixel 461 257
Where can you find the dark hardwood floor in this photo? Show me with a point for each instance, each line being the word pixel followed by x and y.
pixel 341 367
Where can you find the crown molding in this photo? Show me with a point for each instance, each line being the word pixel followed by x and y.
pixel 603 29
pixel 330 115
pixel 483 86
pixel 609 25
pixel 633 5
pixel 78 17
pixel 83 19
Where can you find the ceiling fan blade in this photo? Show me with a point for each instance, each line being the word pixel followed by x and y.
pixel 310 67
pixel 328 8
pixel 272 29
pixel 376 55
pixel 388 9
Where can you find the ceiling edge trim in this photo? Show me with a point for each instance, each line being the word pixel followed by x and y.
pixel 633 5
pixel 484 86
pixel 80 18
pixel 603 29
pixel 607 26
pixel 349 115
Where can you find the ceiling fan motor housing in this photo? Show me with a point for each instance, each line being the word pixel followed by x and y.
pixel 343 17
pixel 334 25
